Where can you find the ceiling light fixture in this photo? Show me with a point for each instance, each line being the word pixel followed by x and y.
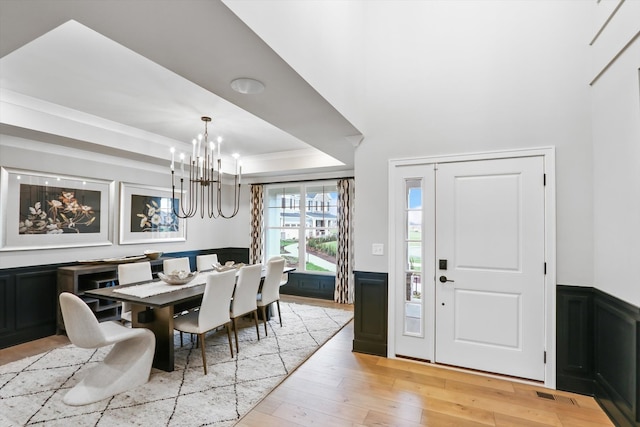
pixel 247 86
pixel 201 178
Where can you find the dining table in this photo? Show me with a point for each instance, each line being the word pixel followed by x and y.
pixel 154 305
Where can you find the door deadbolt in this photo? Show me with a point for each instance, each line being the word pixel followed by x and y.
pixel 443 279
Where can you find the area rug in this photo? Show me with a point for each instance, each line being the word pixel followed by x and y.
pixel 31 389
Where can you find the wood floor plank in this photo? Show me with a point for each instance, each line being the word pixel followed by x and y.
pixel 309 417
pixel 560 407
pixel 447 373
pixel 457 410
pixel 258 419
pixel 381 419
pixel 582 400
pixel 504 420
pixel 437 419
pixel 388 402
pixel 338 407
pixel 268 406
pixel 482 401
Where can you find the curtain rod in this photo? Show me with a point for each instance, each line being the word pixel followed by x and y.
pixel 303 180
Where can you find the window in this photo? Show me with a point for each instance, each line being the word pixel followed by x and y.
pixel 316 204
pixel 413 252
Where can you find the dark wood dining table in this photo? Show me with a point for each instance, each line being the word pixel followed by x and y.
pixel 156 312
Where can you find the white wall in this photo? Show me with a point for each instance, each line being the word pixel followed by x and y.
pixel 616 141
pixel 322 40
pixel 456 77
pixel 444 77
pixel 42 157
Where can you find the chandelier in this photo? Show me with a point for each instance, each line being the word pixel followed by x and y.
pixel 201 182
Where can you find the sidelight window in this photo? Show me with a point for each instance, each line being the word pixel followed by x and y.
pixel 413 304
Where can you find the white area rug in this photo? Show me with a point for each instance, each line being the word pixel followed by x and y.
pixel 31 389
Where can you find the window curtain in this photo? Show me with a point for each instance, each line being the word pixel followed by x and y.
pixel 344 258
pixel 255 250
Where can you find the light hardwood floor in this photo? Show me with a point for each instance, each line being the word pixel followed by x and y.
pixel 336 387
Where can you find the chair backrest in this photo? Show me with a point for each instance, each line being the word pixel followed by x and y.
pixel 80 323
pixel 134 273
pixel 272 277
pixel 206 262
pixel 244 297
pixel 214 310
pixel 172 264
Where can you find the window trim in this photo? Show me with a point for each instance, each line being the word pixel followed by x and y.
pixel 302 188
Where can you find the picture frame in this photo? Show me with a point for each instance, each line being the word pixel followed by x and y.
pixel 40 210
pixel 147 215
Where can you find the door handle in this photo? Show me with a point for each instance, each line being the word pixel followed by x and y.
pixel 443 279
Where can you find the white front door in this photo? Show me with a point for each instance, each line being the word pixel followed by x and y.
pixel 486 220
pixel 490 298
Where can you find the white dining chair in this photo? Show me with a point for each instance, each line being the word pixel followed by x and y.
pixel 176 264
pixel 244 298
pixel 214 310
pixel 206 262
pixel 125 367
pixel 132 273
pixel 270 292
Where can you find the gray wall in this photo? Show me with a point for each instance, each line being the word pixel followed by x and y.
pixel 42 157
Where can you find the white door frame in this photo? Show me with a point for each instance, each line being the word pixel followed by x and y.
pixel 548 154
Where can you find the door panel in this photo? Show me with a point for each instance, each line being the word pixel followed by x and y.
pixel 482 216
pixel 497 328
pixel 490 228
pixel 414 235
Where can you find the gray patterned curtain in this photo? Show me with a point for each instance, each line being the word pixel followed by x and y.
pixel 344 262
pixel 255 250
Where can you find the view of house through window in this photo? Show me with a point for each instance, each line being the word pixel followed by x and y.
pixel 309 244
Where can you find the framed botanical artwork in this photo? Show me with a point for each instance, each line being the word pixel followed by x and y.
pixel 147 215
pixel 44 211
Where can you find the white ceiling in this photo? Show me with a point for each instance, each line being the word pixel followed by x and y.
pixel 145 75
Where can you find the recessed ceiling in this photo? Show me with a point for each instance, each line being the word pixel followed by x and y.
pixel 154 78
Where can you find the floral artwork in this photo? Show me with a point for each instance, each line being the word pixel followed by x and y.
pixel 147 215
pixel 55 210
pixel 153 214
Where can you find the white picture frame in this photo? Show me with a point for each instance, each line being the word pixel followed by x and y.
pixel 146 215
pixel 41 210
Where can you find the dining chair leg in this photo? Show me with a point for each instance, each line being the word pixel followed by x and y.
pixel 229 335
pixel 255 317
pixel 180 338
pixel 235 332
pixel 279 312
pixel 204 356
pixel 264 319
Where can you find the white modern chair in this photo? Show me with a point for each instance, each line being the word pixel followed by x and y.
pixel 244 298
pixel 271 288
pixel 180 264
pixel 214 310
pixel 127 365
pixel 206 262
pixel 132 273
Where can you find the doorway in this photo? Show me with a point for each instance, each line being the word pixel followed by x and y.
pixel 472 247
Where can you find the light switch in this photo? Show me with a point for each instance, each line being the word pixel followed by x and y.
pixel 377 249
